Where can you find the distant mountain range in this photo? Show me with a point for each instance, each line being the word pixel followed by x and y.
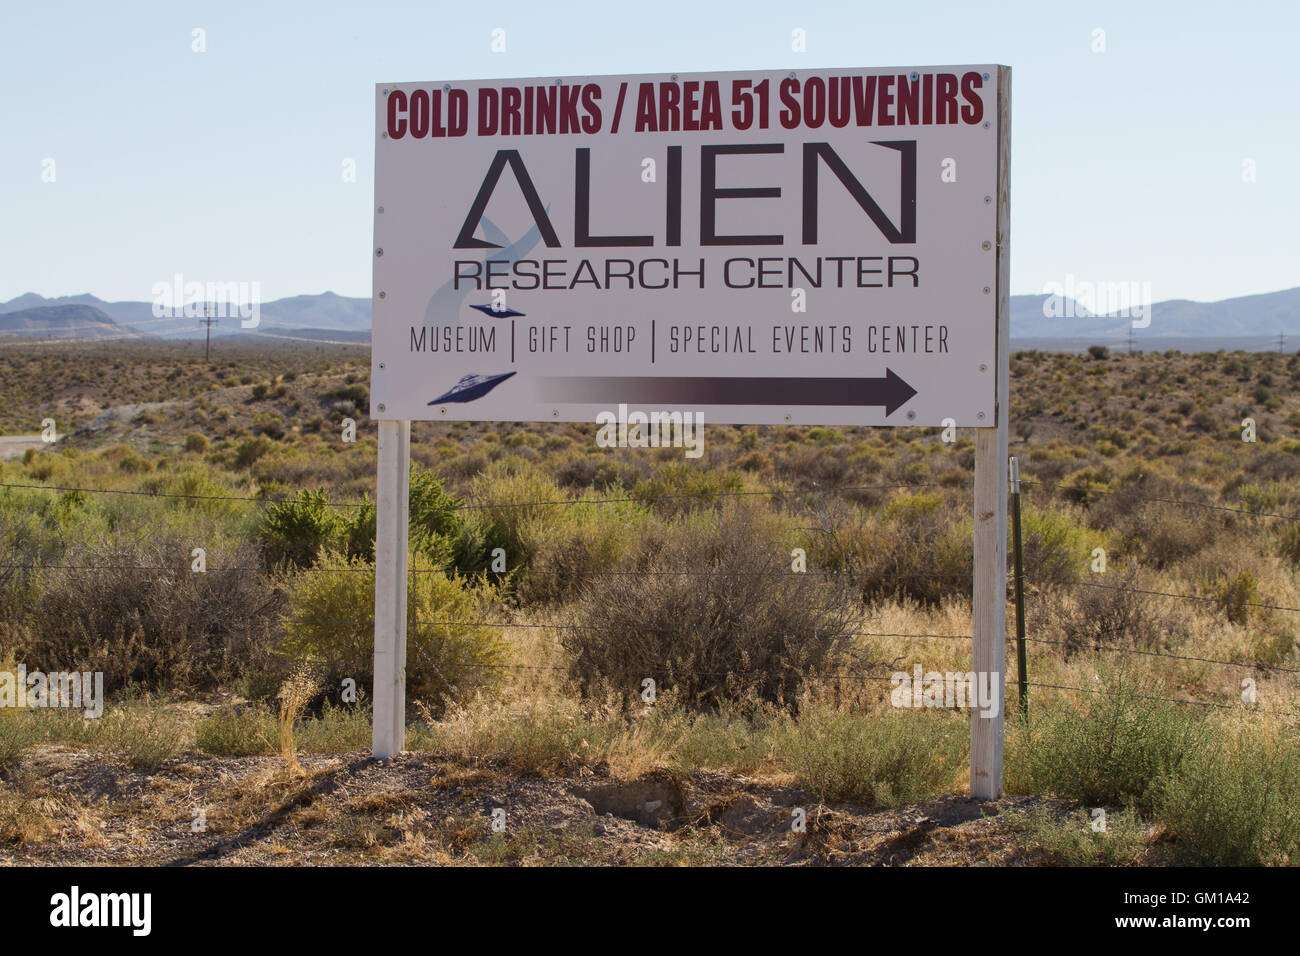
pixel 317 316
pixel 1243 317
pixel 63 322
pixel 51 318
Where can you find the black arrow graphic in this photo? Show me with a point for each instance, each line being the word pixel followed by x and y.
pixel 890 391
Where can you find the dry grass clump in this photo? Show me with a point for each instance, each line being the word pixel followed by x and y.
pixel 147 618
pixel 712 610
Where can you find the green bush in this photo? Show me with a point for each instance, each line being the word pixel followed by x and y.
pixel 1057 546
pixel 356 393
pixel 435 517
pixel 247 732
pixel 17 732
pixel 449 654
pixel 295 532
pixel 588 538
pixel 265 423
pixel 340 728
pixel 873 759
pixel 679 487
pixel 1112 748
pixel 1236 803
pixel 518 503
pixel 1070 840
pixel 437 527
pixel 251 449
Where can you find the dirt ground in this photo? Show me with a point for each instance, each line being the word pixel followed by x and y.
pixel 67 806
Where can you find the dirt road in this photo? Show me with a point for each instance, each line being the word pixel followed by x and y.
pixel 13 446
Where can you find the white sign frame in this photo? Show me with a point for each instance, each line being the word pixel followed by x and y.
pixel 990 494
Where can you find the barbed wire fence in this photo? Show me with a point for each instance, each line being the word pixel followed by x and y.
pixel 876 674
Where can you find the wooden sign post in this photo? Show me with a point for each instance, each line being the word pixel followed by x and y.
pixel 989 596
pixel 392 517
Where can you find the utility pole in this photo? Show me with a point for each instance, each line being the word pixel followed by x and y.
pixel 1130 338
pixel 1281 343
pixel 209 321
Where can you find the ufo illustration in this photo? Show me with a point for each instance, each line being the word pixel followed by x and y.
pixel 501 313
pixel 471 387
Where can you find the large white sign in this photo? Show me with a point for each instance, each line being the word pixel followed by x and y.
pixel 804 247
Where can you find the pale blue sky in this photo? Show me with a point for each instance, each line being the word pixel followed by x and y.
pixel 225 165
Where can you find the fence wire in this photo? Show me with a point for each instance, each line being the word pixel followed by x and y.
pixel 875 577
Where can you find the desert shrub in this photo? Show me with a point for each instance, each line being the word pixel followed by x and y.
pixel 237 732
pixel 438 526
pixel 679 487
pixel 588 538
pixel 713 612
pixel 130 463
pixel 1288 544
pixel 533 737
pixel 17 732
pixel 1275 465
pixel 1236 803
pixel 357 530
pixel 1086 485
pixel 1070 840
pixel 1162 534
pixel 917 550
pixel 434 514
pixel 600 473
pixel 1112 612
pixel 196 442
pixel 1163 539
pixel 294 532
pixel 912 506
pixel 144 734
pixel 265 423
pixel 449 655
pixel 875 759
pixel 1056 546
pixel 517 503
pixel 251 449
pixel 144 617
pixel 195 488
pixel 819 467
pixel 1109 748
pixel 357 393
pixel 1234 593
pixel 340 728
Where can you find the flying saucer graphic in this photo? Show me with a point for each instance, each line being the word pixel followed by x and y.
pixel 471 387
pixel 501 313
